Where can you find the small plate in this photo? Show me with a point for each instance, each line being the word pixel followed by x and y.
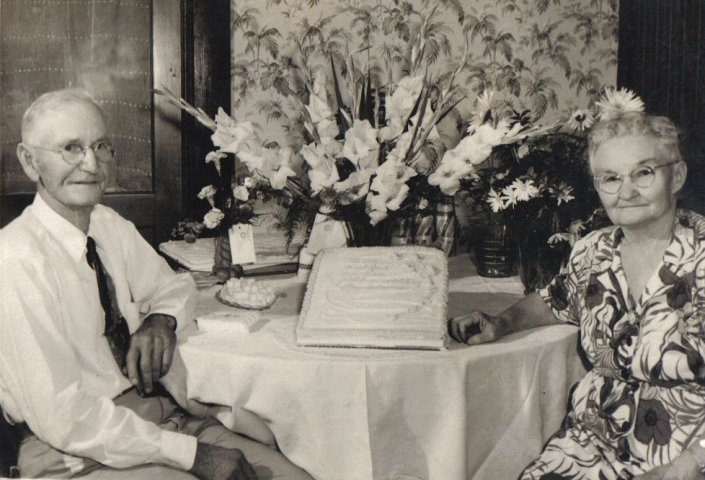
pixel 244 306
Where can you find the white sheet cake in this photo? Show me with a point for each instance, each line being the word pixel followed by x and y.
pixel 380 297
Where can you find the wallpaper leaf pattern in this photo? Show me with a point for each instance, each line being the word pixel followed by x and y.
pixel 550 56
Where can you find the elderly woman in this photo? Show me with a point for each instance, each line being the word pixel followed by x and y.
pixel 637 292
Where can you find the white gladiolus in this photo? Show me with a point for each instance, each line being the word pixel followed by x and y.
pixel 361 146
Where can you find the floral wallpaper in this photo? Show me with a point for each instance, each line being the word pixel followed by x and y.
pixel 545 56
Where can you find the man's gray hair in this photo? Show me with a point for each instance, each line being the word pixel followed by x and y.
pixel 53 100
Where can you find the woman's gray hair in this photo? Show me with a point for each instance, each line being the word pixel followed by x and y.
pixel 52 101
pixel 661 129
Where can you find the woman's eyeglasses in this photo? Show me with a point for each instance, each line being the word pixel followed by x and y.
pixel 642 177
pixel 74 153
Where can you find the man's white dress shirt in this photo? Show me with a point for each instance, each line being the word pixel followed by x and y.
pixel 57 372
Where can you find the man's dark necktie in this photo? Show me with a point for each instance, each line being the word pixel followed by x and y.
pixel 116 331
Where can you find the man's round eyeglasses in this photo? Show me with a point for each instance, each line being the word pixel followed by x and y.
pixel 642 177
pixel 74 153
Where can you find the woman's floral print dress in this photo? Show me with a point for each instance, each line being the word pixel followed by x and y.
pixel 643 401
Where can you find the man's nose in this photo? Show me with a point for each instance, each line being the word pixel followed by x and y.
pixel 89 162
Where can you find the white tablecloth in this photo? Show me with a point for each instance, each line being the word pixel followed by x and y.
pixel 478 412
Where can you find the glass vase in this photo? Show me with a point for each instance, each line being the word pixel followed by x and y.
pixel 223 267
pixel 538 261
pixel 445 223
pixel 495 251
pixel 424 224
pixel 401 231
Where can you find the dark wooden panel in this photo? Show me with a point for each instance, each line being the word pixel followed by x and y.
pixel 662 58
pixel 148 234
pixel 207 53
pixel 12 205
pixel 166 55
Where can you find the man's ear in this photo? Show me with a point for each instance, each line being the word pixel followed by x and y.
pixel 28 161
pixel 680 172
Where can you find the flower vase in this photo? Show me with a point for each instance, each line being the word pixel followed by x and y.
pixel 495 251
pixel 305 263
pixel 326 232
pixel 401 231
pixel 223 257
pixel 538 261
pixel 223 267
pixel 446 225
pixel 424 224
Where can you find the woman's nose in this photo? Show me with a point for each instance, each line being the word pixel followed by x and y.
pixel 628 189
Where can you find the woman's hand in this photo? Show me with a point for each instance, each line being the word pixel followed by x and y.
pixel 682 468
pixel 476 327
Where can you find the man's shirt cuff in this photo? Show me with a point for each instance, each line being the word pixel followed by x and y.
pixel 178 449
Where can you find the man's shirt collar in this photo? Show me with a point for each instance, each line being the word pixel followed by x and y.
pixel 65 233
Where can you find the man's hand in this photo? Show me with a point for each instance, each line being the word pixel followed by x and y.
pixel 151 351
pixel 475 327
pixel 218 463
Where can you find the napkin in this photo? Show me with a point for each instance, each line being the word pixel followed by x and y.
pixel 478 284
pixel 229 321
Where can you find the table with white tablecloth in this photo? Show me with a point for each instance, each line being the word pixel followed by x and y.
pixel 480 412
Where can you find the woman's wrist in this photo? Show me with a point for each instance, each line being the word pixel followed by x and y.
pixel 698 453
pixel 506 324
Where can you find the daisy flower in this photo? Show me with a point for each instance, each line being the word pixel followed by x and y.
pixel 495 201
pixel 524 191
pixel 501 175
pixel 560 237
pixel 576 227
pixel 580 120
pixel 564 194
pixel 483 105
pixel 509 196
pixel 616 103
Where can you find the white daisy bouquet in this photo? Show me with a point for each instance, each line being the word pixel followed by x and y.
pixel 534 178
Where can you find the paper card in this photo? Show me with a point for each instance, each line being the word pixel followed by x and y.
pixel 228 321
pixel 242 244
pixel 326 233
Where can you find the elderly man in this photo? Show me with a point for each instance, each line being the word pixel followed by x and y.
pixel 88 315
